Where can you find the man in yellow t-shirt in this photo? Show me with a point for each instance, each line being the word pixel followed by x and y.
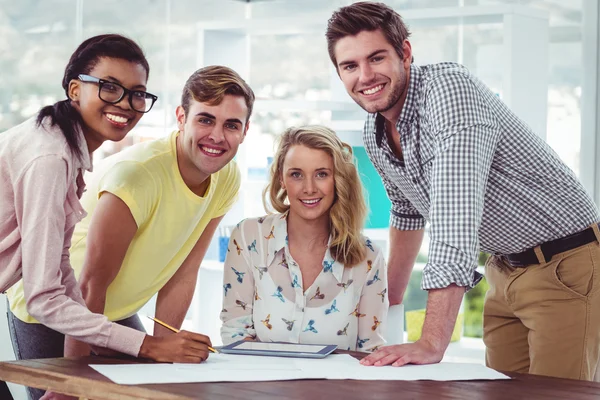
pixel 153 210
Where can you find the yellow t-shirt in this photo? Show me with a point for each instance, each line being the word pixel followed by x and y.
pixel 169 216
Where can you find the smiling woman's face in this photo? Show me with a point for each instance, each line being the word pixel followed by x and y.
pixel 103 121
pixel 308 178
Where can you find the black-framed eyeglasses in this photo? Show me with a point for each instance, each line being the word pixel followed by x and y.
pixel 112 93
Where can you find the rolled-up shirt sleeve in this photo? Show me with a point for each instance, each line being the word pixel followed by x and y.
pixel 466 137
pixel 404 216
pixel 51 291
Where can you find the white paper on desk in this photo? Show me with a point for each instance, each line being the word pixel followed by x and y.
pixel 338 366
pixel 218 368
pixel 241 368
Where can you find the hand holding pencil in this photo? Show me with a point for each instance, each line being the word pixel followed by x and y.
pixel 182 347
pixel 169 327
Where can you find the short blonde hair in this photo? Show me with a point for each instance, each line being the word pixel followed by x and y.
pixel 210 84
pixel 348 212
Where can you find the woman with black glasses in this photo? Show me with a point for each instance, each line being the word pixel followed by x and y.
pixel 41 174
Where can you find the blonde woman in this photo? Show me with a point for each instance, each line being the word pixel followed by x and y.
pixel 306 274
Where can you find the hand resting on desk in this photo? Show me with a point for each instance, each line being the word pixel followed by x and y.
pixel 419 352
pixel 442 309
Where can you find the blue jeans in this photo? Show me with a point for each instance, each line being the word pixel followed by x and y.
pixel 31 341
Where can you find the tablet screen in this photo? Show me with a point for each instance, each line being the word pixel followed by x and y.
pixel 296 348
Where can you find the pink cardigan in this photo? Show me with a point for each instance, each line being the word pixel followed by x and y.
pixel 40 186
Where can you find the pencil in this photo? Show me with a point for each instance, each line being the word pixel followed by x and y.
pixel 169 327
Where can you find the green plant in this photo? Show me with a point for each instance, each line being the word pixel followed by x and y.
pixel 415 299
pixel 473 309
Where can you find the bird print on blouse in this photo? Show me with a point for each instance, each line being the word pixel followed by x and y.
pixel 238 249
pixel 252 246
pixel 382 294
pixel 261 271
pixel 310 327
pixel 376 323
pixel 283 262
pixel 278 294
pixel 270 236
pixel 263 296
pixel 295 283
pixel 240 275
pixel 345 285
pixel 226 287
pixel 343 331
pixel 267 323
pixel 361 342
pixel 318 295
pixel 331 309
pixel 289 324
pixel 356 313
pixel 375 279
pixel 241 303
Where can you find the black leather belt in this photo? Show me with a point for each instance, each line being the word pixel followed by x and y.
pixel 551 248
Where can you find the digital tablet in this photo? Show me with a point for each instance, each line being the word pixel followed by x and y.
pixel 279 349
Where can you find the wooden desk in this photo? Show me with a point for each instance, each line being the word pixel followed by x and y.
pixel 75 377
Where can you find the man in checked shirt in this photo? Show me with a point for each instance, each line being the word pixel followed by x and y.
pixel 451 153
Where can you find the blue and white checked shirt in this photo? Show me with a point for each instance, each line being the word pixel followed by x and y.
pixel 477 173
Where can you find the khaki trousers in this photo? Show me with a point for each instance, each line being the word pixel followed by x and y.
pixel 545 318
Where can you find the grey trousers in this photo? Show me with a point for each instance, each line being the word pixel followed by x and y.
pixel 38 341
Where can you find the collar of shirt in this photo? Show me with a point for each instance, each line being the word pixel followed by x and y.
pixel 86 158
pixel 408 113
pixel 85 163
pixel 280 242
pixel 81 164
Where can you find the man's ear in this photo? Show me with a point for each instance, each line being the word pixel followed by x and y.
pixel 407 52
pixel 180 115
pixel 74 89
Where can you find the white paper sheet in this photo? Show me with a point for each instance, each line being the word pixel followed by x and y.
pixel 240 368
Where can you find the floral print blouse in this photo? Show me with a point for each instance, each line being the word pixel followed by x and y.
pixel 263 296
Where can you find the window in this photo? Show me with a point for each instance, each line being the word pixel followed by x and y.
pixel 287 65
